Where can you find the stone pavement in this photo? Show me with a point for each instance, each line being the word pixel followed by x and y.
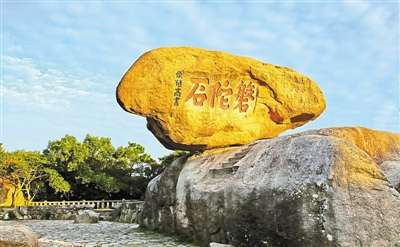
pixel 59 233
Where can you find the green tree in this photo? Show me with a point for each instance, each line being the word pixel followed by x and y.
pixel 67 156
pixel 169 158
pixel 27 170
pixel 91 169
pixel 96 170
pixel 134 168
pixel 98 164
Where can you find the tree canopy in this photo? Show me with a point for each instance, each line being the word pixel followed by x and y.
pixel 26 170
pixel 92 169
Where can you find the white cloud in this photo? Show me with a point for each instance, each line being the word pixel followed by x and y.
pixel 350 48
pixel 24 81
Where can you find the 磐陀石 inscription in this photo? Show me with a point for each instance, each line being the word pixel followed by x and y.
pixel 222 94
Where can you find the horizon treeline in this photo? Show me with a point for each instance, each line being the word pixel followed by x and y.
pixel 93 169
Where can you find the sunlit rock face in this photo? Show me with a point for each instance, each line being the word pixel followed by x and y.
pixel 328 187
pixel 195 99
pixel 7 191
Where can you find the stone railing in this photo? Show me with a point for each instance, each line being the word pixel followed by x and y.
pixel 99 204
pixel 110 210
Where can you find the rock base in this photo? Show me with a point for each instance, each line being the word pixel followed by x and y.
pixel 317 188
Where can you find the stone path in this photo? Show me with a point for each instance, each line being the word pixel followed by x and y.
pixel 66 233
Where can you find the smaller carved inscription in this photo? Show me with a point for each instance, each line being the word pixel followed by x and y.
pixel 178 84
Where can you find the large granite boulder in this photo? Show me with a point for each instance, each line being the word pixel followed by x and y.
pixel 15 235
pixel 195 99
pixel 330 187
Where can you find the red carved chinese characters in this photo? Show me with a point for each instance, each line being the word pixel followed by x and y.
pixel 220 95
pixel 244 96
pixel 198 91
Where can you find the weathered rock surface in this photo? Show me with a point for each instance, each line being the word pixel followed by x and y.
pixel 87 216
pixel 317 188
pixel 391 169
pixel 12 235
pixel 128 212
pixel 195 99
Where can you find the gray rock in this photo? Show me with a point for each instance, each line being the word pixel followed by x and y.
pixel 392 171
pixel 161 192
pixel 14 235
pixel 128 212
pixel 86 216
pixel 11 214
pixel 317 188
pixel 8 215
pixel 213 244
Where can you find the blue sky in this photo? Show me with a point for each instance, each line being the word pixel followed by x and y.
pixel 61 62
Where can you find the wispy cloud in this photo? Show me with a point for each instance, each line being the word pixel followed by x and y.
pixel 73 54
pixel 26 82
pixel 350 48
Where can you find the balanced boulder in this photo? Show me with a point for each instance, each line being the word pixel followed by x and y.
pixel 195 99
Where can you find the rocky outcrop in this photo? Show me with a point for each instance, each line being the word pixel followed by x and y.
pixel 329 187
pixel 195 99
pixel 86 217
pixel 128 212
pixel 15 235
pixel 391 169
pixel 10 214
